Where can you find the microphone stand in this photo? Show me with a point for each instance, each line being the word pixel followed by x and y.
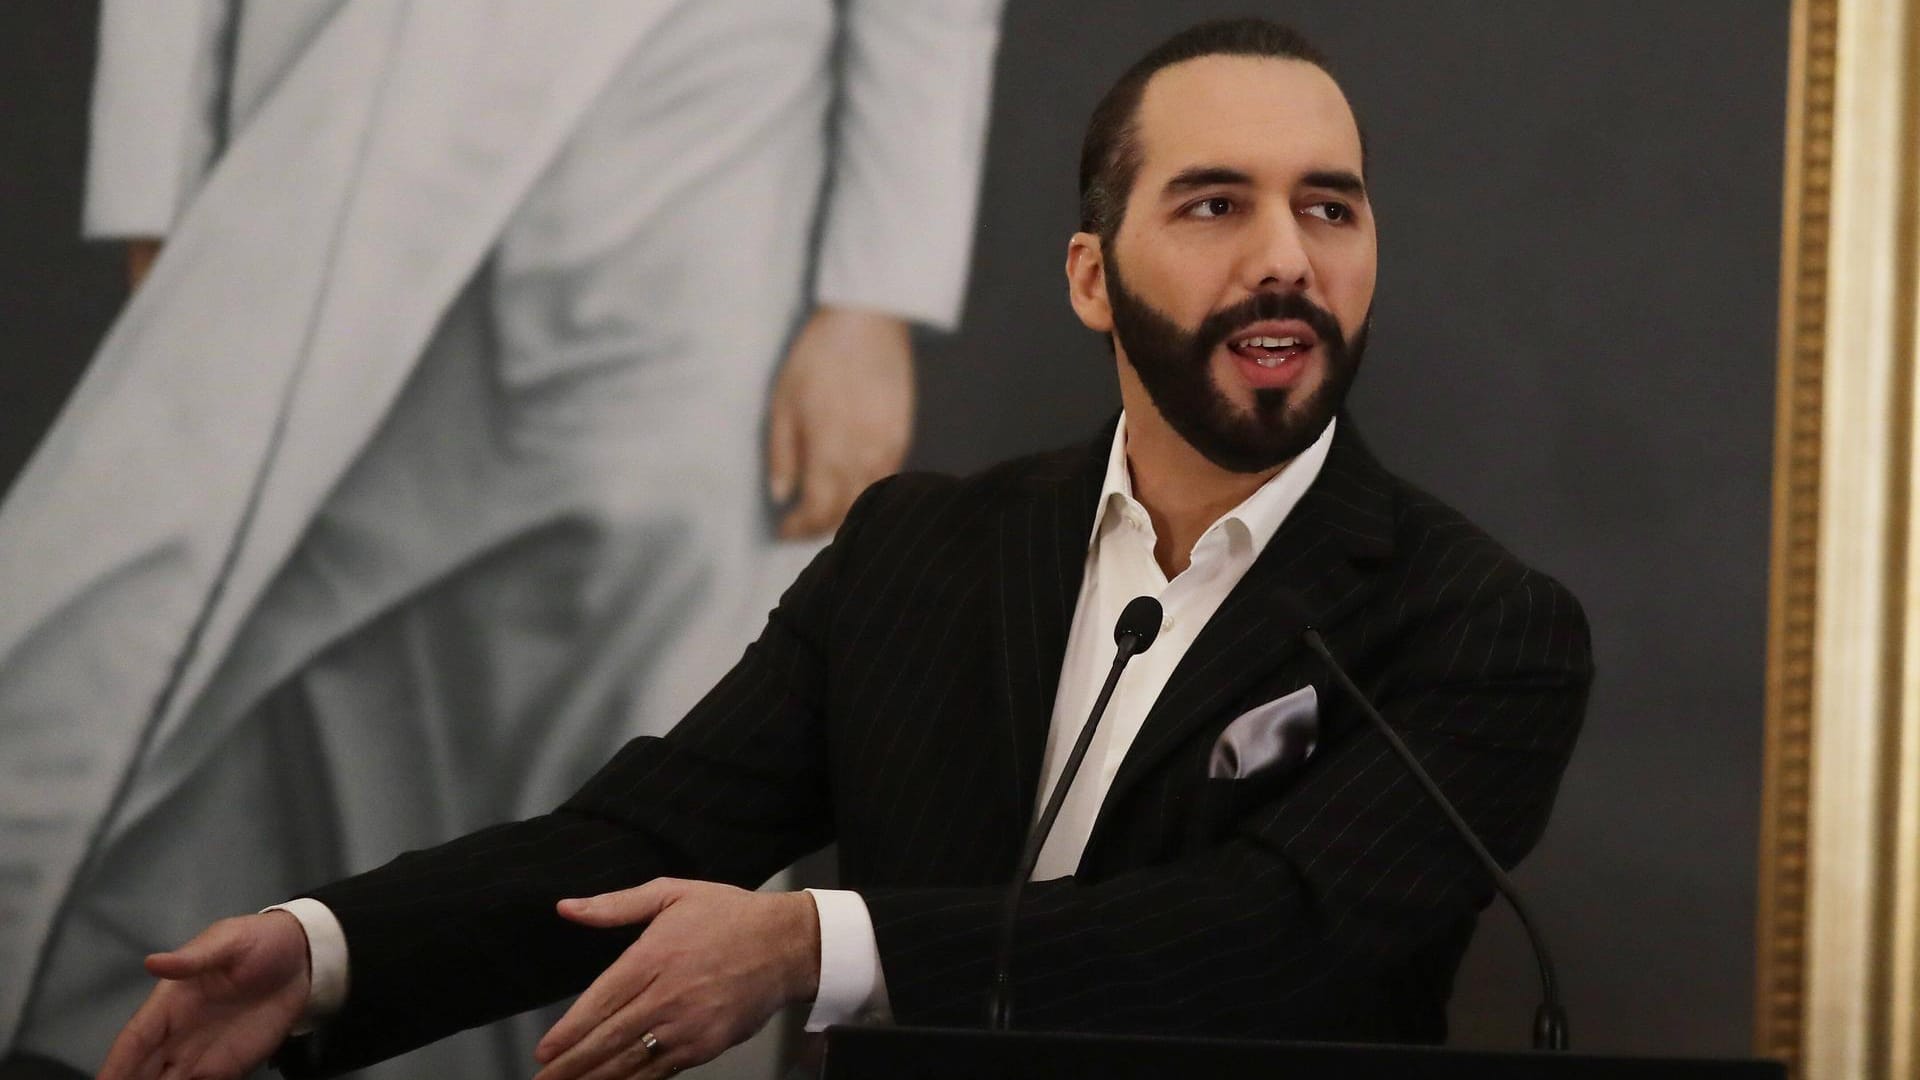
pixel 1550 1019
pixel 1000 1001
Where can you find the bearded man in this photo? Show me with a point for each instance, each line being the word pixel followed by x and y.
pixel 913 697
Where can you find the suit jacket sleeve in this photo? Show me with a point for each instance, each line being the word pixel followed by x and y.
pixel 461 934
pixel 1300 921
pixel 911 132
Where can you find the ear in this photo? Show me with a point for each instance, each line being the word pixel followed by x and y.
pixel 1087 282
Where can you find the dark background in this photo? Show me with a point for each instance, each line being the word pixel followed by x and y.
pixel 1579 213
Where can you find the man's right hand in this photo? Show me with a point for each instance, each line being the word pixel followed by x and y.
pixel 226 1001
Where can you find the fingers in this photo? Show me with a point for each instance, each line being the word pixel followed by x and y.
pixel 628 1064
pixel 211 948
pixel 624 907
pixel 179 964
pixel 626 977
pixel 615 1047
pixel 228 998
pixel 584 1018
pixel 699 979
pixel 838 460
pixel 140 257
pixel 132 1056
pixel 842 415
pixel 783 450
pixel 613 991
pixel 823 503
pixel 153 1046
pixel 674 1050
pixel 638 1063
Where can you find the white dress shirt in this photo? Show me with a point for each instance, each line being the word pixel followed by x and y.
pixel 1120 566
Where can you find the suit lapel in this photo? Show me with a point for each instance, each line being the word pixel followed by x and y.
pixel 1041 558
pixel 1313 571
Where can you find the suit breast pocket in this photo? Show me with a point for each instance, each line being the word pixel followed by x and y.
pixel 1222 803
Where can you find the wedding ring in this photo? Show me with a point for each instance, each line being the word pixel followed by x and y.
pixel 649 1043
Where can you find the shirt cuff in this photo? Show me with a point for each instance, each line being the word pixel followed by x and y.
pixel 853 989
pixel 327 959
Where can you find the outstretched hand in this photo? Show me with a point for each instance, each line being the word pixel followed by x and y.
pixel 841 416
pixel 713 964
pixel 226 1001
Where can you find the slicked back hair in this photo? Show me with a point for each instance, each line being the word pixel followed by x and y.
pixel 1110 153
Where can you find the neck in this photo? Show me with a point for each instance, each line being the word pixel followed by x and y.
pixel 1182 491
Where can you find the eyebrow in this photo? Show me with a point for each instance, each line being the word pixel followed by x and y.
pixel 1201 176
pixel 1206 176
pixel 1337 180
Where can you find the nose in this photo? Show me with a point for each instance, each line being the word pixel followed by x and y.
pixel 1278 259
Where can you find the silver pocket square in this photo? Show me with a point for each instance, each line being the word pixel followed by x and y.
pixel 1281 732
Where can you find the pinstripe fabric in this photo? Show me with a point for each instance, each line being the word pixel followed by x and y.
pixel 898 701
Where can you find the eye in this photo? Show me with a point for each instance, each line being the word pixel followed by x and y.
pixel 1336 213
pixel 1214 207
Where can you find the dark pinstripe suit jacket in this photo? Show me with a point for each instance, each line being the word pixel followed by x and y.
pixel 898 703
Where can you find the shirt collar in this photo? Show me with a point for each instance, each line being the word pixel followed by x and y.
pixel 1260 514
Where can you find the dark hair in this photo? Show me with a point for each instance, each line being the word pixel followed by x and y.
pixel 1110 153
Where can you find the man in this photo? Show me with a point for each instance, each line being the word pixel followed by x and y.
pixel 427 467
pixel 913 695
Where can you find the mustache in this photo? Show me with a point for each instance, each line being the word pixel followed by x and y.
pixel 1223 324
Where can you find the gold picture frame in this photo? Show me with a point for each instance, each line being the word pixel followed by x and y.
pixel 1837 968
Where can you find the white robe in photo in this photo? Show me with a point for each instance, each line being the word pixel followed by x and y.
pixel 426 467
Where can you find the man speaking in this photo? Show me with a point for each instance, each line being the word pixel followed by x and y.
pixel 1238 856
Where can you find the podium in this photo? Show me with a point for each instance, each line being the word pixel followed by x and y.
pixel 894 1053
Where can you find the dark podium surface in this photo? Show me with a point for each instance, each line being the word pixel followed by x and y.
pixel 893 1053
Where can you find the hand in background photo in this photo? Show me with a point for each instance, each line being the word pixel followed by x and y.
pixel 140 257
pixel 226 1001
pixel 841 416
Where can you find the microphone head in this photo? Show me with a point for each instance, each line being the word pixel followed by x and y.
pixel 1140 621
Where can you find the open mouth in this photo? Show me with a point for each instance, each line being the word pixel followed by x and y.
pixel 1268 350
pixel 1271 343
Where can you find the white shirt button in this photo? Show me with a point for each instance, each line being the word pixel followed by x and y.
pixel 1166 623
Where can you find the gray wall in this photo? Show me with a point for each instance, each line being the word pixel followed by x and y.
pixel 1579 211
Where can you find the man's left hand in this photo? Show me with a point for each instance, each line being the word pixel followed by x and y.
pixel 713 964
pixel 841 416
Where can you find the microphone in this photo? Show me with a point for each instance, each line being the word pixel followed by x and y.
pixel 1550 1019
pixel 1133 633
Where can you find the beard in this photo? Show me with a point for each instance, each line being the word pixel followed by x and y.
pixel 1175 365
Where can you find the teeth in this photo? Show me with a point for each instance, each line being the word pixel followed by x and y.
pixel 1270 342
